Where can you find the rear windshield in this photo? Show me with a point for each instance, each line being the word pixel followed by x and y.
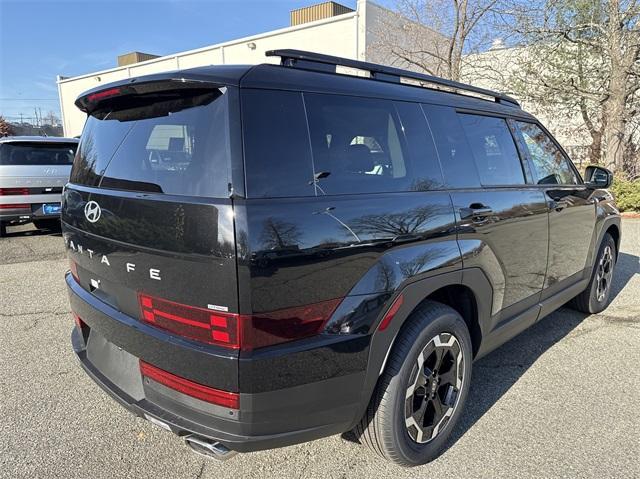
pixel 37 153
pixel 178 147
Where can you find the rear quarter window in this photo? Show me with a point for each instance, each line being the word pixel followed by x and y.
pixel 276 144
pixel 456 158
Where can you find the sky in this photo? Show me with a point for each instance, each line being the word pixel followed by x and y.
pixel 43 39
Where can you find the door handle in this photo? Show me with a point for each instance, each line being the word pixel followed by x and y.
pixel 559 205
pixel 476 211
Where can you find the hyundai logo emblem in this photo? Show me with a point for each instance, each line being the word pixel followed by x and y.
pixel 92 211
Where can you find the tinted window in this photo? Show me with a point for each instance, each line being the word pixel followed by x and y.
pixel 494 150
pixel 359 146
pixel 427 173
pixel 37 153
pixel 180 148
pixel 276 144
pixel 455 155
pixel 549 164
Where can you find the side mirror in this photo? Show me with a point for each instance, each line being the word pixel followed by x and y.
pixel 598 177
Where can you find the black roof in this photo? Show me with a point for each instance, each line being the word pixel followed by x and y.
pixel 313 76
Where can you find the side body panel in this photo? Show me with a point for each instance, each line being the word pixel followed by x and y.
pixel 572 233
pixel 293 252
pixel 509 245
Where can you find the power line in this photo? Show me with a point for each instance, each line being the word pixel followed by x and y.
pixel 28 99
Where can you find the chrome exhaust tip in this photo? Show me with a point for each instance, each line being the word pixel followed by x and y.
pixel 209 447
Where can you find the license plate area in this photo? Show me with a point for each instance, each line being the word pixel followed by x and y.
pixel 116 364
pixel 51 209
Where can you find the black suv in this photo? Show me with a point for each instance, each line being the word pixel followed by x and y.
pixel 265 255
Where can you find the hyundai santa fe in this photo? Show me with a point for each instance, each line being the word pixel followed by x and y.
pixel 33 170
pixel 265 255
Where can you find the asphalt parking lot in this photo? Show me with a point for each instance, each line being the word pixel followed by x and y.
pixel 560 400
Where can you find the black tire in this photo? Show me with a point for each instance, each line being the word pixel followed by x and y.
pixel 3 230
pixel 384 427
pixel 592 300
pixel 50 224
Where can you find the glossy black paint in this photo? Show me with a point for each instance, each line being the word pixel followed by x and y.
pixel 306 250
pixel 189 240
pixel 509 244
pixel 520 252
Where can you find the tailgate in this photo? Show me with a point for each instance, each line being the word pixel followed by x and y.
pixel 168 247
pixel 148 224
pixel 178 250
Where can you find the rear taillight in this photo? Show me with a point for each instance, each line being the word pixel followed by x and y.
pixel 74 270
pixel 266 329
pixel 190 388
pixel 195 323
pixel 13 191
pixel 15 206
pixel 237 331
pixel 79 323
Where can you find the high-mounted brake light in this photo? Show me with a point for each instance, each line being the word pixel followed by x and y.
pixel 13 191
pixel 101 95
pixel 393 310
pixel 237 331
pixel 190 388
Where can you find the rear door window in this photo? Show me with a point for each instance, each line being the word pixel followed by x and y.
pixel 37 153
pixel 494 150
pixel 316 144
pixel 179 147
pixel 549 164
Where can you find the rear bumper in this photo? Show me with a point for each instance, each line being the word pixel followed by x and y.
pixel 265 420
pixel 33 212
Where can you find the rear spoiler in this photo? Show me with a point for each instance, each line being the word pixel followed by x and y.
pixel 117 93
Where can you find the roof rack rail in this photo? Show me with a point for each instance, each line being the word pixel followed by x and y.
pixel 329 64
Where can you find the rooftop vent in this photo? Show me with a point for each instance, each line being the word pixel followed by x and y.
pixel 134 57
pixel 317 12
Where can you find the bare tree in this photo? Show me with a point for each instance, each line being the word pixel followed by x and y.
pixel 5 127
pixel 279 234
pixel 582 58
pixel 433 35
pixel 51 119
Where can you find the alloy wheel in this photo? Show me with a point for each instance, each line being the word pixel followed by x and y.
pixel 434 387
pixel 604 273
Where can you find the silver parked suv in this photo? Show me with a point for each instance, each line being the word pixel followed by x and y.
pixel 33 170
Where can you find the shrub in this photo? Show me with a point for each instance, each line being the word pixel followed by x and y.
pixel 627 194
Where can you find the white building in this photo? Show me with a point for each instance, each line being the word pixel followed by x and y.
pixel 322 28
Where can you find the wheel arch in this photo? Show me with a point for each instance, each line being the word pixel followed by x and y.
pixel 470 285
pixel 614 230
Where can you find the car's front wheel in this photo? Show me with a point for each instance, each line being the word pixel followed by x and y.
pixel 423 389
pixel 595 298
